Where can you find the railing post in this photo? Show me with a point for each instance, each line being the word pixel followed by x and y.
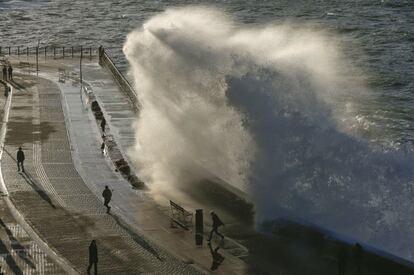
pixel 100 54
pixel 80 72
pixel 37 61
pixel 54 52
pixel 72 51
pixel 9 50
pixel 18 51
pixel 27 52
pixel 90 53
pixel 45 52
pixel 63 50
pixel 0 50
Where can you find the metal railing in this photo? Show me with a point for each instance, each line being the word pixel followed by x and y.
pixel 49 51
pixel 106 61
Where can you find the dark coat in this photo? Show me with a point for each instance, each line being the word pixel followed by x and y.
pixel 107 194
pixel 93 253
pixel 103 122
pixel 20 156
pixel 216 221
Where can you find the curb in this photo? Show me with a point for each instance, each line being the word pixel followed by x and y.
pixel 3 130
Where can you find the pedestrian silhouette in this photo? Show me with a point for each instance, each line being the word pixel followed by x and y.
pixel 10 72
pixel 341 261
pixel 4 73
pixel 20 160
pixel 93 257
pixel 107 194
pixel 216 224
pixel 6 91
pixel 103 124
pixel 217 257
pixel 358 257
pixel 103 145
pixel 103 148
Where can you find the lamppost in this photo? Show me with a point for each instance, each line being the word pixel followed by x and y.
pixel 80 74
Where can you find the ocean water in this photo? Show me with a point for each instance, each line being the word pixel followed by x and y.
pixel 377 36
pixel 306 106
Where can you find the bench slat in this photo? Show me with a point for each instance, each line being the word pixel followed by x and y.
pixel 180 216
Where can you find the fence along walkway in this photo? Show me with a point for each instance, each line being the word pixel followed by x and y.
pixel 106 61
pixel 49 51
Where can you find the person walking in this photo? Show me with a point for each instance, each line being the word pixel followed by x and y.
pixel 107 194
pixel 103 145
pixel 216 224
pixel 217 257
pixel 10 72
pixel 6 91
pixel 103 124
pixel 93 257
pixel 4 73
pixel 20 159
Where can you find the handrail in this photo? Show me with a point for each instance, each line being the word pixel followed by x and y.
pixel 106 61
pixel 55 51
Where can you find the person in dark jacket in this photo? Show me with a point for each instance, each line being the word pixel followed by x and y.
pixel 20 160
pixel 107 194
pixel 216 224
pixel 4 73
pixel 10 73
pixel 93 257
pixel 103 124
pixel 6 91
pixel 217 257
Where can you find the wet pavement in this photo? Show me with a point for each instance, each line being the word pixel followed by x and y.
pixel 19 253
pixel 54 199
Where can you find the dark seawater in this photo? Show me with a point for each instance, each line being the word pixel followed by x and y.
pixel 375 36
pixel 378 36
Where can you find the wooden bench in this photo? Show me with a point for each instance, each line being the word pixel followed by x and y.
pixel 180 216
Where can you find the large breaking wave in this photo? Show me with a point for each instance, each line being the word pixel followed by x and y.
pixel 273 110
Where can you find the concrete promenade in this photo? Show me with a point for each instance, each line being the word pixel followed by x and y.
pixel 54 199
pixel 19 253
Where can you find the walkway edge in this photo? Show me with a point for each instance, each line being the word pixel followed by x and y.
pixel 15 213
pixel 6 111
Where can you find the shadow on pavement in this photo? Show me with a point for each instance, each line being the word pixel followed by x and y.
pixel 138 239
pixel 32 182
pixel 15 244
pixel 9 259
pixel 18 133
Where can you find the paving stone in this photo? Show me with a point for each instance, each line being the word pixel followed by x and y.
pixel 55 201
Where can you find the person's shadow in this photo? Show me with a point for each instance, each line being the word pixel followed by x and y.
pixel 32 183
pixel 217 257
